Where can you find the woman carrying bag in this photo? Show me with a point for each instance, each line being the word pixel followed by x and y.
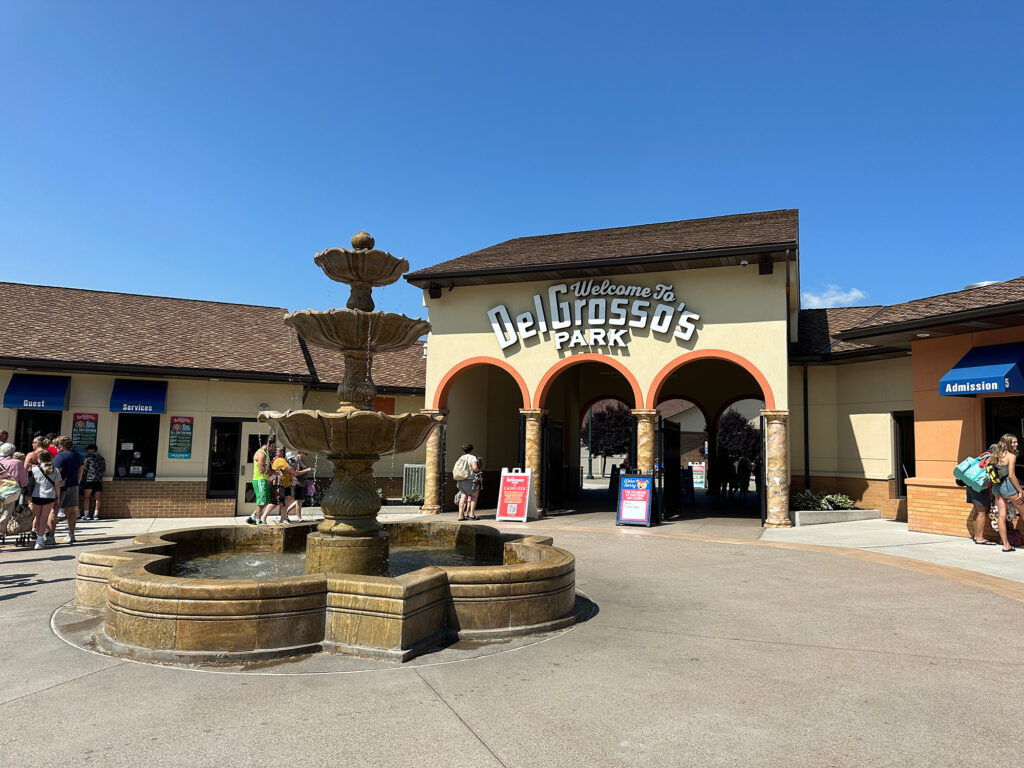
pixel 44 495
pixel 1006 487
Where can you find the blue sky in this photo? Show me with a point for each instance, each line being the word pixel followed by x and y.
pixel 208 150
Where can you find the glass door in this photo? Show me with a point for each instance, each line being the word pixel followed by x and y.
pixel 253 435
pixel 225 455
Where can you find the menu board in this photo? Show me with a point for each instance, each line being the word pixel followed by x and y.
pixel 635 495
pixel 180 445
pixel 515 496
pixel 83 430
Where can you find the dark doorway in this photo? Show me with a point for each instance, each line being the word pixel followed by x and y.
pixel 669 476
pixel 904 457
pixel 552 487
pixel 225 453
pixel 32 422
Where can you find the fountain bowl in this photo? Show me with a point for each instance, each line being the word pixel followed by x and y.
pixel 351 433
pixel 361 267
pixel 357 331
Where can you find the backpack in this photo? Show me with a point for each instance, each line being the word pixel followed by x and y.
pixel 973 473
pixel 462 469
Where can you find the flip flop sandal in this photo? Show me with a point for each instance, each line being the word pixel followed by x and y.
pixel 985 543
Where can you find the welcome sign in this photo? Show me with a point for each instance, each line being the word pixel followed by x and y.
pixel 595 314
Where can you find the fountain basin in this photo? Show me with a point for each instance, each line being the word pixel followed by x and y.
pixel 152 615
pixel 352 330
pixel 351 433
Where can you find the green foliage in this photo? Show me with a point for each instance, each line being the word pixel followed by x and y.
pixel 380 492
pixel 412 498
pixel 737 437
pixel 612 431
pixel 807 500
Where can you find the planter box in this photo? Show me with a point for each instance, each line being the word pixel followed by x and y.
pixel 822 516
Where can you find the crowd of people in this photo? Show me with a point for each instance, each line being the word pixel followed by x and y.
pixel 55 481
pixel 280 482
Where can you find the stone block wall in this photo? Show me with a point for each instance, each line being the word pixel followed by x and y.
pixel 940 506
pixel 867 494
pixel 148 498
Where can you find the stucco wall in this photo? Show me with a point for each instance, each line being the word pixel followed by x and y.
pixel 850 415
pixel 741 312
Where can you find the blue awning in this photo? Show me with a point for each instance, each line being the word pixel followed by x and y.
pixel 40 393
pixel 986 370
pixel 138 396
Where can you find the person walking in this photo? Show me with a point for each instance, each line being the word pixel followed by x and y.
pixel 94 468
pixel 1007 488
pixel 44 496
pixel 261 482
pixel 70 465
pixel 469 481
pixel 300 470
pixel 743 477
pixel 281 485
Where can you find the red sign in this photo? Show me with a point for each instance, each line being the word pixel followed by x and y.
pixel 513 500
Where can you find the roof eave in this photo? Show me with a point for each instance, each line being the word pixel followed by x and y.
pixel 423 279
pixel 933 321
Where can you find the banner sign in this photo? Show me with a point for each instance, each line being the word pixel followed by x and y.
pixel 515 496
pixel 595 314
pixel 83 430
pixel 698 473
pixel 635 495
pixel 180 445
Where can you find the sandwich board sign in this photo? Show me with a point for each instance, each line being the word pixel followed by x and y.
pixel 636 492
pixel 515 495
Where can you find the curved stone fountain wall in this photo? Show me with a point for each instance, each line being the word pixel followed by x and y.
pixel 154 616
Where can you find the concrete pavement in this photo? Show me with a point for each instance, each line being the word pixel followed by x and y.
pixel 702 653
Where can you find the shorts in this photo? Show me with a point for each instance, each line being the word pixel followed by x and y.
pixel 39 501
pixel 262 490
pixel 1006 489
pixel 979 498
pixel 96 486
pixel 299 492
pixel 281 494
pixel 468 487
pixel 69 497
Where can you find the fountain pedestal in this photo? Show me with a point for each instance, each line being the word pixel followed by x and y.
pixel 349 539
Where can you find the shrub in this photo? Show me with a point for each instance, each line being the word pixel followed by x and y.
pixel 807 500
pixel 412 498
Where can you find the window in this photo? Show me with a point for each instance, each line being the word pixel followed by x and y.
pixel 31 423
pixel 138 437
pixel 225 443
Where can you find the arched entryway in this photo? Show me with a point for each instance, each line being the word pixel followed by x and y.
pixel 481 400
pixel 562 401
pixel 715 382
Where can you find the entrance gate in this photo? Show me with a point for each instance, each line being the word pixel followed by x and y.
pixel 552 478
pixel 669 474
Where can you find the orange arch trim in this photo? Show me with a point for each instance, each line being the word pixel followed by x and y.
pixel 441 393
pixel 586 357
pixel 711 354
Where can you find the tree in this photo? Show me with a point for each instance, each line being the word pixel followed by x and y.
pixel 612 431
pixel 737 437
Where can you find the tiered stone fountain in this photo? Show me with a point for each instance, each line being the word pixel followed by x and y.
pixel 150 600
pixel 354 438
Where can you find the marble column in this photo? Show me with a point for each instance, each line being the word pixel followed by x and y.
pixel 645 439
pixel 434 471
pixel 777 468
pixel 534 417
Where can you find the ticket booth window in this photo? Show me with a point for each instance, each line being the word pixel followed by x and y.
pixel 138 438
pixel 30 423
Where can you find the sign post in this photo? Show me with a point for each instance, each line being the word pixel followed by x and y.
pixel 635 495
pixel 515 496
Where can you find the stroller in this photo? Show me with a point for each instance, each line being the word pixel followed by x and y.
pixel 16 520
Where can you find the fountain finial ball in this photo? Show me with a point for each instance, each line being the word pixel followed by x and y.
pixel 362 241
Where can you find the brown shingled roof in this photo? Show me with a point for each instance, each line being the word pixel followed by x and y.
pixel 818 330
pixel 673 238
pixel 943 307
pixel 125 331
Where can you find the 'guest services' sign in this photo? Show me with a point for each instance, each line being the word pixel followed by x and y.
pixel 595 314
